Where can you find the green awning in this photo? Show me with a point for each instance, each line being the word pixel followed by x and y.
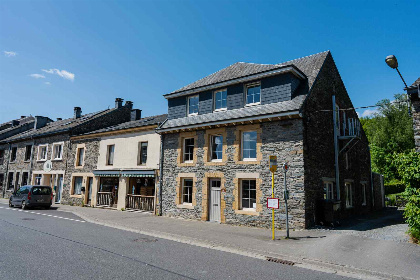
pixel 125 173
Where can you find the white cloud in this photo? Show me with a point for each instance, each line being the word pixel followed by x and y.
pixel 369 113
pixel 47 83
pixel 9 54
pixel 37 76
pixel 63 73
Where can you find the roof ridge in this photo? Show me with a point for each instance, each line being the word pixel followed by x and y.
pixel 327 51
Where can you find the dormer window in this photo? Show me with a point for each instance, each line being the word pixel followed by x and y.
pixel 253 94
pixel 193 105
pixel 220 98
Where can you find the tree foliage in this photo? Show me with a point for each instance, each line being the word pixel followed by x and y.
pixel 389 131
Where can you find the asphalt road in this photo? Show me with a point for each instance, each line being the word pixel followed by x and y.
pixel 51 244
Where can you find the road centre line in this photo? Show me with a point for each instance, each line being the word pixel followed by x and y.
pixel 43 214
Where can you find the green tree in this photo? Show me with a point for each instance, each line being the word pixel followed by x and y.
pixel 389 131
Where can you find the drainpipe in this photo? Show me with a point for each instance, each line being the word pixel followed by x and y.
pixel 161 174
pixel 371 178
pixel 6 177
pixel 337 170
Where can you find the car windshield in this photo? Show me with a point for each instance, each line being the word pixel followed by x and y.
pixel 41 190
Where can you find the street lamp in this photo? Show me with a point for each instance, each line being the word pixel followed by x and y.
pixel 392 62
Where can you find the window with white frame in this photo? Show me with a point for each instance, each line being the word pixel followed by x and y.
pixel 187 190
pixel 57 151
pixel 249 145
pixel 220 99
pixel 329 190
pixel 253 94
pixel 193 105
pixel 110 155
pixel 363 193
pixel 188 150
pixel 349 194
pixel 80 156
pixel 216 147
pixel 77 185
pixel 248 194
pixel 42 152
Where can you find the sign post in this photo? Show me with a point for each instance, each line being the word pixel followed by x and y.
pixel 273 168
pixel 286 196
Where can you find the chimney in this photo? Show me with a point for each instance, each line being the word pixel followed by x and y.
pixel 129 104
pixel 77 112
pixel 22 117
pixel 15 123
pixel 59 119
pixel 40 121
pixel 135 114
pixel 118 102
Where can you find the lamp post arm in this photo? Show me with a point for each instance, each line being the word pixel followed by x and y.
pixel 401 77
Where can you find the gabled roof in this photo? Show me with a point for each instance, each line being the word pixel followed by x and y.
pixel 57 127
pixel 417 82
pixel 146 121
pixel 20 121
pixel 309 65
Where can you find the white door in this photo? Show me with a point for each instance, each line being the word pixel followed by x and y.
pixel 214 200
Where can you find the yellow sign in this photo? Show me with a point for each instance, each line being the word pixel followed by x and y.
pixel 273 163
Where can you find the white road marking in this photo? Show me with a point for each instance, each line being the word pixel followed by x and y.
pixel 43 214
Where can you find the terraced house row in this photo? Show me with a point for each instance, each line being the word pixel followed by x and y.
pixel 208 157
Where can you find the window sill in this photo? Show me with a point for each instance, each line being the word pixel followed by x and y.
pixel 41 160
pixel 192 115
pixel 12 161
pixel 249 162
pixel 185 206
pixel 57 159
pixel 79 167
pixel 247 212
pixel 252 104
pixel 27 161
pixel 76 195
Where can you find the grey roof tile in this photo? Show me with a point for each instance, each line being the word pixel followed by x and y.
pixel 309 65
pixel 58 126
pixel 258 110
pixel 152 120
pixel 416 82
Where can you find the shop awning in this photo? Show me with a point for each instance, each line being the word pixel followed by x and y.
pixel 125 173
pixel 138 173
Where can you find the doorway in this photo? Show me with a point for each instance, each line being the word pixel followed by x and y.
pixel 214 200
pixel 89 191
pixel 59 188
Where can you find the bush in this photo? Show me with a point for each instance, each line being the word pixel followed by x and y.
pixel 408 166
pixel 394 186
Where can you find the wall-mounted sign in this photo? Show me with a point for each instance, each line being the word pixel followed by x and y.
pixel 273 203
pixel 273 163
pixel 47 166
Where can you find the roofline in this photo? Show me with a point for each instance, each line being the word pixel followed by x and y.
pixel 282 69
pixel 151 127
pixel 259 117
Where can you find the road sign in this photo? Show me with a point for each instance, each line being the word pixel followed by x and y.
pixel 285 167
pixel 273 163
pixel 273 203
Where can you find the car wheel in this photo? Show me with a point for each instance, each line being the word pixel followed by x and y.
pixel 24 206
pixel 10 204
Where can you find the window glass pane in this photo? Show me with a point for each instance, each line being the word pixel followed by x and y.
pixel 253 94
pixel 220 99
pixel 188 149
pixel 143 155
pixel 193 105
pixel 217 147
pixel 78 185
pixel 81 155
pixel 249 144
pixel 187 191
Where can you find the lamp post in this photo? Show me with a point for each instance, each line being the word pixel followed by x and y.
pixel 392 62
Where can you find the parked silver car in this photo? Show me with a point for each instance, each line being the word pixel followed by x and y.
pixel 31 196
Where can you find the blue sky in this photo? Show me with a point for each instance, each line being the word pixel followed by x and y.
pixel 59 54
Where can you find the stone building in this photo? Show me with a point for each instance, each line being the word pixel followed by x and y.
pixel 414 94
pixel 116 166
pixel 222 129
pixel 11 156
pixel 41 154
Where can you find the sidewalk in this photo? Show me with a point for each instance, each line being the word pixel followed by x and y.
pixel 324 250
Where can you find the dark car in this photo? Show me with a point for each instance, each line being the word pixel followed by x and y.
pixel 32 196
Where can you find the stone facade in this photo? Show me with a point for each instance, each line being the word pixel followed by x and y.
pixel 281 138
pixel 90 160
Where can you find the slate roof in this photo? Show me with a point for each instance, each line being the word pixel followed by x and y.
pixel 17 126
pixel 309 65
pixel 58 126
pixel 152 120
pixel 20 121
pixel 415 83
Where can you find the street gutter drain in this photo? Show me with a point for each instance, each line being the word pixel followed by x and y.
pixel 145 240
pixel 276 260
pixel 28 219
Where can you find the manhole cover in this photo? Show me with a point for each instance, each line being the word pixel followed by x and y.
pixel 145 240
pixel 28 219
